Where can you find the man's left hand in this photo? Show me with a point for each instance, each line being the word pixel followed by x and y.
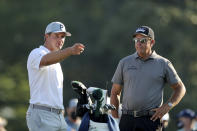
pixel 160 112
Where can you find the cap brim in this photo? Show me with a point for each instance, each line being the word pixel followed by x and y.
pixel 68 34
pixel 139 33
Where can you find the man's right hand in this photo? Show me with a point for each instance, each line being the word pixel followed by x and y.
pixel 115 98
pixel 57 56
pixel 77 49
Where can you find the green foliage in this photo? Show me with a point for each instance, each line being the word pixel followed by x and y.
pixel 105 28
pixel 14 94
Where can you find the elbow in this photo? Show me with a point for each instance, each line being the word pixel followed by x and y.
pixel 183 88
pixel 114 92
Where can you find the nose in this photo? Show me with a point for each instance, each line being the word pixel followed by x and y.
pixel 61 39
pixel 138 43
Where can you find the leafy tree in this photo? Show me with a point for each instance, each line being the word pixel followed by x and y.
pixel 105 28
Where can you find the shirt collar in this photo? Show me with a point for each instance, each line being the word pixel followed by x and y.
pixel 152 56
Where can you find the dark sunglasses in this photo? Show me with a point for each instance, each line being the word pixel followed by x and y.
pixel 142 40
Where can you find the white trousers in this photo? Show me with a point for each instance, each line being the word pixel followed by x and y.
pixel 41 120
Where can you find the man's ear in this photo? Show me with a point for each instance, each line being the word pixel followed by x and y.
pixel 152 42
pixel 46 36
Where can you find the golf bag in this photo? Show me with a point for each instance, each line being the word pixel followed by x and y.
pixel 93 108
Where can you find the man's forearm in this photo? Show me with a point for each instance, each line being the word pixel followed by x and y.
pixel 115 101
pixel 55 57
pixel 178 93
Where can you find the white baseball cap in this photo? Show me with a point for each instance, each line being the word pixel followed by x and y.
pixel 55 27
pixel 73 103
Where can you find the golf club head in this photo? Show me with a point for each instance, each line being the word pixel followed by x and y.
pixel 78 87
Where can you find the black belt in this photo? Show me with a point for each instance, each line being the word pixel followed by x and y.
pixel 137 113
pixel 54 110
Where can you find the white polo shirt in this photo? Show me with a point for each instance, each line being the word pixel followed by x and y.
pixel 46 83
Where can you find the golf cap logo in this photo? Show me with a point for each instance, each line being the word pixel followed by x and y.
pixel 140 30
pixel 61 27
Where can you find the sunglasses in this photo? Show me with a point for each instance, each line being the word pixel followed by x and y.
pixel 142 40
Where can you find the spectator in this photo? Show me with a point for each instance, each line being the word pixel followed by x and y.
pixel 3 123
pixel 186 120
pixel 72 120
pixel 195 125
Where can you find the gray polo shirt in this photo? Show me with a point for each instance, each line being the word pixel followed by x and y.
pixel 143 81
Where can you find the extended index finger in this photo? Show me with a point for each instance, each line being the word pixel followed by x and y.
pixel 80 45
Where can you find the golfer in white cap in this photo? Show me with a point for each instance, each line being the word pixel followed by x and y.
pixel 46 80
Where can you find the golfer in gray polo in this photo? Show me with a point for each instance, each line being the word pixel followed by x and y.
pixel 142 77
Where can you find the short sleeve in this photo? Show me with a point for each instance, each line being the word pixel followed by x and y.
pixel 171 74
pixel 118 75
pixel 35 58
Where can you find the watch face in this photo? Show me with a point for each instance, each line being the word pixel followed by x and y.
pixel 170 104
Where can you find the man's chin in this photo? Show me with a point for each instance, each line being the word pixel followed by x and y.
pixel 141 52
pixel 58 48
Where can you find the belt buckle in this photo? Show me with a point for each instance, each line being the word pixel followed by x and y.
pixel 135 114
pixel 59 111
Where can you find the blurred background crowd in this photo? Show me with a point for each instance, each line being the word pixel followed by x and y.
pixel 105 28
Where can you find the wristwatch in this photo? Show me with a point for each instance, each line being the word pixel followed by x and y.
pixel 170 104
